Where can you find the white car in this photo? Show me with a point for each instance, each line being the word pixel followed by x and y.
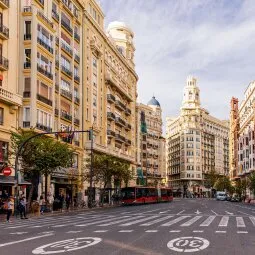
pixel 221 196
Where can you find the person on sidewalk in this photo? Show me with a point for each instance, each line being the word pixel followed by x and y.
pixel 9 207
pixel 22 208
pixel 68 201
pixel 42 204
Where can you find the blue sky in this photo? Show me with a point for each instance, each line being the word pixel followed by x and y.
pixel 213 40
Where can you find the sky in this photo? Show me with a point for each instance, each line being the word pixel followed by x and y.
pixel 213 40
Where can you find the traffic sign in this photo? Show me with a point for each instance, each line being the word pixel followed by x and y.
pixel 7 171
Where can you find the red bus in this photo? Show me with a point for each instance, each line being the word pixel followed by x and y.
pixel 144 195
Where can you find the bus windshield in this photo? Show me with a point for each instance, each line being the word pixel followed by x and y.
pixel 128 193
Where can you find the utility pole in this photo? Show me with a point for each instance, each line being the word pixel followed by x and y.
pixel 90 193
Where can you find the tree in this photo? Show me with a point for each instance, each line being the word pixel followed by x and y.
pixel 251 183
pixel 105 170
pixel 42 155
pixel 223 183
pixel 240 187
pixel 211 178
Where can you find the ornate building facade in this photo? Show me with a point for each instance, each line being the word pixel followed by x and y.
pixel 197 144
pixel 150 144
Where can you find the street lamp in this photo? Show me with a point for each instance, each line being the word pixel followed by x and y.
pixel 23 144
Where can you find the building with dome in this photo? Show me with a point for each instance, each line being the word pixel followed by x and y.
pixel 151 165
pixel 196 145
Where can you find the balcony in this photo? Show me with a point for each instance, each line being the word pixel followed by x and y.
pixel 41 2
pixel 66 71
pixel 67 27
pixel 127 111
pixel 155 156
pixel 110 133
pixel 149 145
pixel 56 111
pixel 77 36
pixel 119 121
pixel 10 98
pixel 4 63
pixel 110 116
pixel 44 99
pixel 45 45
pixel 110 98
pixel 120 138
pixel 26 94
pixel 67 48
pixel 66 116
pixel 57 63
pixel 76 121
pixel 66 94
pixel 45 19
pixel 57 40
pixel 56 88
pixel 26 8
pixel 42 127
pixel 120 105
pixel 76 78
pixel 5 4
pixel 128 126
pixel 128 142
pixel 55 15
pixel 44 72
pixel 77 100
pixel 76 58
pixel 26 124
pixel 4 32
pixel 27 37
pixel 68 5
pixel 27 65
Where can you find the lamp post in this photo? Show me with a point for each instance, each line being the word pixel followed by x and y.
pixel 23 144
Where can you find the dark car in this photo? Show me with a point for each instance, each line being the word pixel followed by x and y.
pixel 235 198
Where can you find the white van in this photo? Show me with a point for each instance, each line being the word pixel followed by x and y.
pixel 221 196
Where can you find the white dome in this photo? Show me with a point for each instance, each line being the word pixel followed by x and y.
pixel 119 25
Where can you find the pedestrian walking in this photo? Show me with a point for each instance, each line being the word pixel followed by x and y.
pixel 42 204
pixel 68 201
pixel 9 206
pixel 22 208
pixel 61 203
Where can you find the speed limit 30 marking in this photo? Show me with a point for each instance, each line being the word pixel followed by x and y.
pixel 188 244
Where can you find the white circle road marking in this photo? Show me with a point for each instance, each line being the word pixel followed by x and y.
pixel 67 245
pixel 188 244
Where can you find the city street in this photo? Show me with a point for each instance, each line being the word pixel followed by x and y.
pixel 200 226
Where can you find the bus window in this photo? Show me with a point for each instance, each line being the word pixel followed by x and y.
pixel 128 193
pixel 164 192
pixel 169 192
pixel 139 193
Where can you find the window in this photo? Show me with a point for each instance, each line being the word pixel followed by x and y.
pixel 27 84
pixel 44 118
pixel 1 116
pixel 28 27
pixel 65 63
pixel 75 161
pixel 65 85
pixel 28 55
pixel 26 116
pixel 3 151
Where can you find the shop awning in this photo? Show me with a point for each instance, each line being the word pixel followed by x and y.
pixel 11 180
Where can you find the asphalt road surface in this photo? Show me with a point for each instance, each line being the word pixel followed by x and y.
pixel 194 226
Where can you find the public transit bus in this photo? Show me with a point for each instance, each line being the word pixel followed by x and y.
pixel 144 195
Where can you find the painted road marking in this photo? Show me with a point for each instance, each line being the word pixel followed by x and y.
pixel 220 231
pixel 101 221
pixel 242 232
pixel 208 221
pixel 175 231
pixel 252 220
pixel 67 245
pixel 191 221
pixel 25 240
pixel 180 212
pixel 214 212
pixel 126 231
pixel 224 221
pixel 151 231
pixel 118 221
pixel 156 221
pixel 100 231
pixel 171 222
pixel 141 220
pixel 240 222
pixel 229 213
pixel 74 232
pixel 18 233
pixel 198 231
pixel 198 212
pixel 188 244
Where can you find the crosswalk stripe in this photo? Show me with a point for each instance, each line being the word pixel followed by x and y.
pixel 118 221
pixel 208 221
pixel 171 222
pixel 252 220
pixel 224 221
pixel 100 221
pixel 156 221
pixel 191 221
pixel 240 222
pixel 141 220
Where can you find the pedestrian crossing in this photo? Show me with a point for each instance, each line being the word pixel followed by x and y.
pixel 143 221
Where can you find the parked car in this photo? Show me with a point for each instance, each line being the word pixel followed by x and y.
pixel 221 196
pixel 235 198
pixel 228 197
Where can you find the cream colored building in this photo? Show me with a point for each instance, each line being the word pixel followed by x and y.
pixel 242 156
pixel 150 144
pixel 110 85
pixel 10 99
pixel 197 143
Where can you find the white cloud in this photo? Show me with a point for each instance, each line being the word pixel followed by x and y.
pixel 213 40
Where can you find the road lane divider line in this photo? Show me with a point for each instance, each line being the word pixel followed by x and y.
pixel 171 222
pixel 198 231
pixel 220 231
pixel 24 240
pixel 191 221
pixel 126 231
pixel 175 231
pixel 242 232
pixel 100 231
pixel 252 220
pixel 151 231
